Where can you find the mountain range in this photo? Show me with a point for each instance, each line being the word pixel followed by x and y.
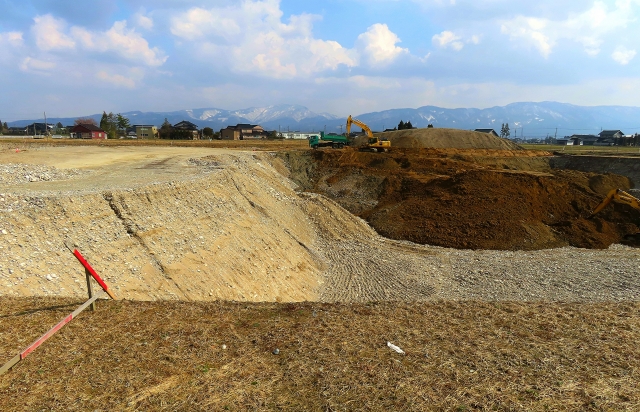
pixel 526 118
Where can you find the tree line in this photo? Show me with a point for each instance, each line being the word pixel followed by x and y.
pixel 404 126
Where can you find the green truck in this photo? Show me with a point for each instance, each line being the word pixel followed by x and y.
pixel 335 141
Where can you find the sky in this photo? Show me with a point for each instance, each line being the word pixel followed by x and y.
pixel 72 58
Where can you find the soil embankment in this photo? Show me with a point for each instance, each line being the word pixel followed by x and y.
pixel 624 166
pixel 443 139
pixel 477 199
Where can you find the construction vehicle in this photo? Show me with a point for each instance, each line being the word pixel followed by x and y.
pixel 620 196
pixel 332 140
pixel 373 144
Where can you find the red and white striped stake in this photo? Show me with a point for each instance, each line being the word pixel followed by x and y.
pixel 52 331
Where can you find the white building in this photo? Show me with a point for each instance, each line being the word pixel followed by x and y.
pixel 299 135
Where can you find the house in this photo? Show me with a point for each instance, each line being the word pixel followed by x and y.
pixel 39 128
pixel 609 138
pixel 490 131
pixel 565 142
pixel 185 130
pixel 611 134
pixel 87 131
pixel 243 131
pixel 142 131
pixel 584 139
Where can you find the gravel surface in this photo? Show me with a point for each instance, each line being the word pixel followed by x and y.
pixel 13 174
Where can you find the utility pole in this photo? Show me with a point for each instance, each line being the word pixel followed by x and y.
pixel 555 136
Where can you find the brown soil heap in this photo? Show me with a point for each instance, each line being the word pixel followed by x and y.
pixel 443 138
pixel 476 199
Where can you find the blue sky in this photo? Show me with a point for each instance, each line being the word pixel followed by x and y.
pixel 72 58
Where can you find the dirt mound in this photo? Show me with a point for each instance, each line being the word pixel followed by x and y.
pixel 443 138
pixel 489 200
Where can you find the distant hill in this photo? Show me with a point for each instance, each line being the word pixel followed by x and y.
pixel 534 119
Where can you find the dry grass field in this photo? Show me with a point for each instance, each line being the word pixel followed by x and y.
pixel 460 356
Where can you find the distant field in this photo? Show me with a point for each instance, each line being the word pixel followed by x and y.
pixel 597 150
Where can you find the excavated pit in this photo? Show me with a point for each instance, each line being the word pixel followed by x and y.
pixel 199 224
pixel 469 199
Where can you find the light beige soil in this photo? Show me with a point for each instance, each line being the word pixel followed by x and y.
pixel 213 224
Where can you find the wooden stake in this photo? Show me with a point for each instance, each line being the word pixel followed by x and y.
pixel 90 288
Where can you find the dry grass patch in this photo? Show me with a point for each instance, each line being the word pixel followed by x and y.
pixel 459 356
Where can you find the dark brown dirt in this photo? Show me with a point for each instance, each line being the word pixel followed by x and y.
pixel 470 199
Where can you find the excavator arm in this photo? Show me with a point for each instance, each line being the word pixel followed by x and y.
pixel 374 144
pixel 619 196
pixel 358 123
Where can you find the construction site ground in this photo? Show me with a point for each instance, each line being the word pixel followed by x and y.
pixel 480 263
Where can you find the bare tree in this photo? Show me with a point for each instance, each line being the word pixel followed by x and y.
pixel 85 120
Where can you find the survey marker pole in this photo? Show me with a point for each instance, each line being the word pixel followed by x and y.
pixel 89 272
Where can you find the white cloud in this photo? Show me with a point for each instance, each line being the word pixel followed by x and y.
pixel 143 21
pixel 49 35
pixel 378 45
pixel 622 55
pixel 116 79
pixel 588 28
pixel 448 39
pixel 251 37
pixel 30 64
pixel 12 38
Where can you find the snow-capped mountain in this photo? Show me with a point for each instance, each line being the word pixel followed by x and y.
pixel 532 119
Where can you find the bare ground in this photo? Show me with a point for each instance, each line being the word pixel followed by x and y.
pixel 482 329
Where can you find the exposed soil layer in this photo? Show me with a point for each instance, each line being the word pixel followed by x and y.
pixel 472 199
pixel 460 356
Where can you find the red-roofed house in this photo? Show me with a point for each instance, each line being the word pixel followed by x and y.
pixel 88 131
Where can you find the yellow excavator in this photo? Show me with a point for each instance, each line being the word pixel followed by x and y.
pixel 373 144
pixel 620 196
